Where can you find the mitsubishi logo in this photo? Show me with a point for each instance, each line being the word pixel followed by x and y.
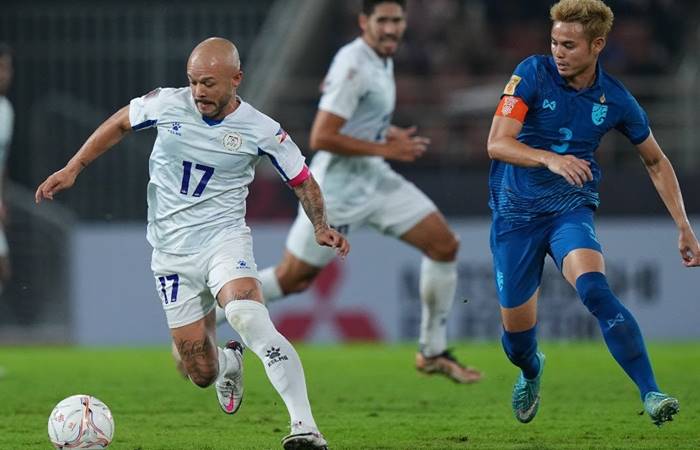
pixel 349 324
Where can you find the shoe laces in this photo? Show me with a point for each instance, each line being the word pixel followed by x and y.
pixel 523 393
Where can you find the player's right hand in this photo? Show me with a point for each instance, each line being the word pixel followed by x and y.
pixel 329 237
pixel 58 181
pixel 404 145
pixel 575 171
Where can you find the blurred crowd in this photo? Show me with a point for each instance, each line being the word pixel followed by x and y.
pixel 457 54
pixel 476 37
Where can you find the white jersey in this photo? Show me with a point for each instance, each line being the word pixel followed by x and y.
pixel 360 88
pixel 200 169
pixel 7 120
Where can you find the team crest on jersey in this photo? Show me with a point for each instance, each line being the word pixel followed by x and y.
pixel 512 84
pixel 232 141
pixel 599 113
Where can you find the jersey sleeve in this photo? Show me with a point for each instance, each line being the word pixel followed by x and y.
pixel 342 88
pixel 520 92
pixel 634 123
pixel 285 156
pixel 144 110
pixel 523 82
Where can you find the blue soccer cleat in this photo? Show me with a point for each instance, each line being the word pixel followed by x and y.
pixel 526 394
pixel 660 407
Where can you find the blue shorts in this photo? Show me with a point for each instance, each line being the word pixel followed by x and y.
pixel 518 254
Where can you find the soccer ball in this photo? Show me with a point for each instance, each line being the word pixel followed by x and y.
pixel 81 421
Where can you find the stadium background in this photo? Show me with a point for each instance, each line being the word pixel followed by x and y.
pixel 84 258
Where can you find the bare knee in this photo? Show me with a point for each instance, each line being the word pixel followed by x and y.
pixel 202 378
pixel 295 275
pixel 522 317
pixel 443 249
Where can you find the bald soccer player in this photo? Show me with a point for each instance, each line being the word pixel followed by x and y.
pixel 203 159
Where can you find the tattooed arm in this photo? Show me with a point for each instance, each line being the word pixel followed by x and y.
pixel 311 199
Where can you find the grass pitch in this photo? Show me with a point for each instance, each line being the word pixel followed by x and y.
pixel 363 396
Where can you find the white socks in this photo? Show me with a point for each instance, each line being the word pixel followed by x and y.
pixel 438 284
pixel 271 289
pixel 282 364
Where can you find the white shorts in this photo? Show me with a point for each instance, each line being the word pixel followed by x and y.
pixel 188 284
pixel 392 211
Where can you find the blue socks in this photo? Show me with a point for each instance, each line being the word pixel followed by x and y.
pixel 620 331
pixel 521 349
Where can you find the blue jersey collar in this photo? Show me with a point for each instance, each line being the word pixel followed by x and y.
pixel 562 82
pixel 212 122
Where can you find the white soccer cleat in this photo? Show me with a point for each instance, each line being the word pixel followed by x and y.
pixel 229 387
pixel 304 438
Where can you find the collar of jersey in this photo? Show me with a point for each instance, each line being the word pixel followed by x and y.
pixel 562 82
pixel 212 122
pixel 373 55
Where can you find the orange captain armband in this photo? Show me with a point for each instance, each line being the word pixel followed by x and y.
pixel 512 107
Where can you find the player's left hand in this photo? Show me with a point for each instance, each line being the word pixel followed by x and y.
pixel 689 247
pixel 329 237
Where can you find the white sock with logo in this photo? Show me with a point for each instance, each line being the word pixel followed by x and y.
pixel 282 364
pixel 438 284
pixel 270 285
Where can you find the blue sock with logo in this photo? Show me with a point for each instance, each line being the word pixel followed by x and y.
pixel 620 330
pixel 521 349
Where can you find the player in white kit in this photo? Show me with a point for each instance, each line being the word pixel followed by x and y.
pixel 202 162
pixel 7 119
pixel 353 133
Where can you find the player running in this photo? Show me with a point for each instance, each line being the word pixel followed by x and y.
pixel 209 141
pixel 353 133
pixel 543 193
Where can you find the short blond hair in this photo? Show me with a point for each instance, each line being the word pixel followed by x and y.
pixel 595 16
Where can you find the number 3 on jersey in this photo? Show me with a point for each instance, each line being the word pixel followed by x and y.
pixel 566 135
pixel 187 172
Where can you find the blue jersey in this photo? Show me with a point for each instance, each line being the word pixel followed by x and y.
pixel 566 121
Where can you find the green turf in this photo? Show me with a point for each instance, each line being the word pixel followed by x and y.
pixel 364 397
